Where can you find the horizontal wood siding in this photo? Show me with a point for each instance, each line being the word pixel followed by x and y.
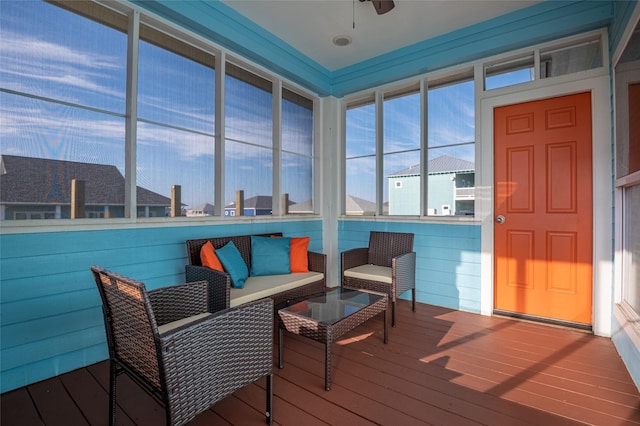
pixel 622 13
pixel 536 24
pixel 627 348
pixel 447 259
pixel 229 29
pixel 51 315
pixel 539 23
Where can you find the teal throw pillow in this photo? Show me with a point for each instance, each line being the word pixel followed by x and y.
pixel 233 263
pixel 270 256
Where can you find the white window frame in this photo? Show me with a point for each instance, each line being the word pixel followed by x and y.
pixel 623 75
pixel 139 15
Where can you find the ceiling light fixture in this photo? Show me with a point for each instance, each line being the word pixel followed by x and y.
pixel 342 40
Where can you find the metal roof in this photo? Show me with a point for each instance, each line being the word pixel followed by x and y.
pixel 442 164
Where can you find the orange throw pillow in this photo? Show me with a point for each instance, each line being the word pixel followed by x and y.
pixel 209 258
pixel 298 254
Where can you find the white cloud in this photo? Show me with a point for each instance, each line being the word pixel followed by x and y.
pixel 26 59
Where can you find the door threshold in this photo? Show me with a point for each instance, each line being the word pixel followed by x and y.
pixel 543 320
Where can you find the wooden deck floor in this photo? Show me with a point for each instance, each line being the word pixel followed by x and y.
pixel 441 367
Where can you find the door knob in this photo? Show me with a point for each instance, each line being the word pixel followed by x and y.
pixel 500 219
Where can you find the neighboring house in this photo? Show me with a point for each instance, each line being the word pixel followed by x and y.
pixel 359 206
pixel 451 188
pixel 301 207
pixel 254 206
pixel 205 209
pixel 37 188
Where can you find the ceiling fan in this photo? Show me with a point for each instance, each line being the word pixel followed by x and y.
pixel 381 6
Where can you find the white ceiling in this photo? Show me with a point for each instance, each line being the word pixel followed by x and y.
pixel 310 25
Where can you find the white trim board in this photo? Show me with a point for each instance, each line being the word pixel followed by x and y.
pixel 602 191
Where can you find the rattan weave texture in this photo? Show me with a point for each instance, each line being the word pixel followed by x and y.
pixel 390 249
pixel 328 333
pixel 221 282
pixel 191 367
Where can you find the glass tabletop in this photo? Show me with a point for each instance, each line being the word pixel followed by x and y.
pixel 335 305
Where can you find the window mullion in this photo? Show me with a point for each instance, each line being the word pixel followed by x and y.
pixel 219 176
pixel 276 204
pixel 379 99
pixel 130 199
pixel 424 154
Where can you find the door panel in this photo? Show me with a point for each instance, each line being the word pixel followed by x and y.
pixel 543 249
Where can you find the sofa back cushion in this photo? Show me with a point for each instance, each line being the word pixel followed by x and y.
pixel 269 256
pixel 299 254
pixel 242 243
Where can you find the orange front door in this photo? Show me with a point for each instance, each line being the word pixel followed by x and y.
pixel 543 209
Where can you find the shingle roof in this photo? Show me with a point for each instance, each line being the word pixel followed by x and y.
pixel 262 202
pixel 355 204
pixel 204 207
pixel 303 206
pixel 28 180
pixel 442 164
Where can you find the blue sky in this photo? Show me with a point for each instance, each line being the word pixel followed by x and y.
pixel 85 67
pixel 451 123
pixel 41 57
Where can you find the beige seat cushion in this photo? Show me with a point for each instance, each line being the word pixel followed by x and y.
pixel 267 285
pixel 370 272
pixel 175 324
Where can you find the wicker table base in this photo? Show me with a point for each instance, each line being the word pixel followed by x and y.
pixel 326 318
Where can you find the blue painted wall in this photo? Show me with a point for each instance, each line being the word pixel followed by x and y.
pixel 50 314
pixel 227 28
pixel 447 259
pixel 627 350
pixel 622 11
pixel 50 309
pixel 536 24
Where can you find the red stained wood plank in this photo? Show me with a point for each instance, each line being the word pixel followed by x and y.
pixel 55 405
pixel 440 367
pixel 17 409
pixel 91 398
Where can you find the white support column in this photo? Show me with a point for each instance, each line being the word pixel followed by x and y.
pixel 328 181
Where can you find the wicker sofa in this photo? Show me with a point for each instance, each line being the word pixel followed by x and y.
pixel 282 289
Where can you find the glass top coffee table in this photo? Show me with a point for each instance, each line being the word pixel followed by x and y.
pixel 326 318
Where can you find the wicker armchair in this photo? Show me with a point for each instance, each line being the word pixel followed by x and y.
pixel 388 266
pixel 170 342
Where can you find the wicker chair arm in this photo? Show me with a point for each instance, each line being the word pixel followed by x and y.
pixel 179 301
pixel 219 285
pixel 226 351
pixel 403 272
pixel 353 257
pixel 317 262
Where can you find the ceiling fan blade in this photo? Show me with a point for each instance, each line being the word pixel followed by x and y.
pixel 383 6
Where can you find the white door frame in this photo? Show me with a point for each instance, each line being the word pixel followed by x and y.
pixel 602 190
